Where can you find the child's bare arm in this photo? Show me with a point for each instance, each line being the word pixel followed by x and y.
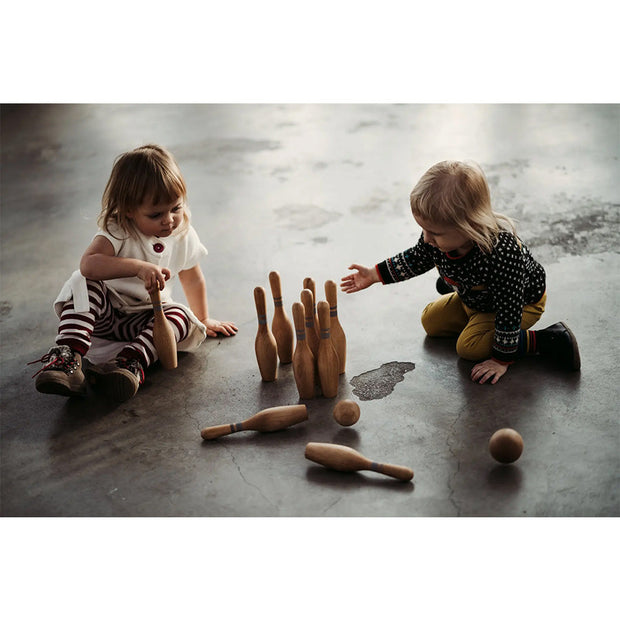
pixel 195 290
pixel 100 263
pixel 363 278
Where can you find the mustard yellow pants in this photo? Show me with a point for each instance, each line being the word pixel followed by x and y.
pixel 448 317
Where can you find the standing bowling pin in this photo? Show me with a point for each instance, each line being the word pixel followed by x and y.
pixel 163 336
pixel 311 334
pixel 265 421
pixel 281 325
pixel 303 360
pixel 327 359
pixel 309 284
pixel 343 458
pixel 265 344
pixel 338 338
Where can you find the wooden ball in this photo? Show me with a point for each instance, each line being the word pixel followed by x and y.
pixel 346 412
pixel 506 445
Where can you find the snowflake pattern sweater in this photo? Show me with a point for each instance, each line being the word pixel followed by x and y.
pixel 501 282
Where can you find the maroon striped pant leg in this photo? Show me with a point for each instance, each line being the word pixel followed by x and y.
pixel 139 331
pixel 76 328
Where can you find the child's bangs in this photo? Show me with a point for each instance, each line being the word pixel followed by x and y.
pixel 436 208
pixel 165 191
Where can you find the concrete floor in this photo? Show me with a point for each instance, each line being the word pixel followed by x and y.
pixel 306 190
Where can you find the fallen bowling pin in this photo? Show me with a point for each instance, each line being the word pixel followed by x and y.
pixel 343 458
pixel 265 421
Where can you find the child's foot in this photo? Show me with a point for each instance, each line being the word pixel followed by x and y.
pixel 62 373
pixel 558 342
pixel 119 379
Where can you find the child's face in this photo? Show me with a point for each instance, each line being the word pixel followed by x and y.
pixel 157 220
pixel 445 238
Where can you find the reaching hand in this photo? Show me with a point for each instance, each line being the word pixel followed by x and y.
pixel 363 278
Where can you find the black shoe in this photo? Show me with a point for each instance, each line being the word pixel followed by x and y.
pixel 443 288
pixel 558 342
pixel 118 379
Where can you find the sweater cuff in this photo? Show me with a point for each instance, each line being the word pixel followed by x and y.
pixel 384 273
pixel 503 362
pixel 379 274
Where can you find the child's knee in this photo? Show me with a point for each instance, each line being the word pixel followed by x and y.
pixel 429 321
pixel 474 349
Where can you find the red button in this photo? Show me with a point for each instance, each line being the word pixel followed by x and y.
pixel 158 247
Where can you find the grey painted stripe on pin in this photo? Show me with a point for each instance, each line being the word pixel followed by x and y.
pixel 262 319
pixel 376 467
pixel 238 426
pixel 324 334
pixel 301 334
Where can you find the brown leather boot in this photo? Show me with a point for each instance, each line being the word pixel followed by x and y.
pixel 118 379
pixel 62 373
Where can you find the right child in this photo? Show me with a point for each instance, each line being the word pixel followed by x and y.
pixel 495 290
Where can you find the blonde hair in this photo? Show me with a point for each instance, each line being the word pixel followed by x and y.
pixel 454 193
pixel 146 173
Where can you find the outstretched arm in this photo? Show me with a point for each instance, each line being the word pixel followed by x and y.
pixel 361 279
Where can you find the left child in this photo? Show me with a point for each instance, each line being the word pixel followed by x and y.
pixel 144 241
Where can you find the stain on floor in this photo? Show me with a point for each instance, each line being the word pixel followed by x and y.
pixel 380 382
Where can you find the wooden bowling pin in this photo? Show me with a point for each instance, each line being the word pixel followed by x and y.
pixel 338 338
pixel 303 360
pixel 265 421
pixel 327 359
pixel 265 344
pixel 281 325
pixel 310 285
pixel 311 334
pixel 163 336
pixel 343 458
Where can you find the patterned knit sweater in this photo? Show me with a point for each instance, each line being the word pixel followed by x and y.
pixel 501 282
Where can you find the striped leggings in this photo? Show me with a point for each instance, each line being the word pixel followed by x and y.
pixel 105 321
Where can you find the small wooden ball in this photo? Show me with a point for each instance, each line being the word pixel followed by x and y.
pixel 346 412
pixel 506 445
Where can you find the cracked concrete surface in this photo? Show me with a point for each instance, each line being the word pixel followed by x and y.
pixel 307 190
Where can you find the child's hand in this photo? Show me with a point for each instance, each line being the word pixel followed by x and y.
pixel 215 327
pixel 489 369
pixel 152 276
pixel 364 278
